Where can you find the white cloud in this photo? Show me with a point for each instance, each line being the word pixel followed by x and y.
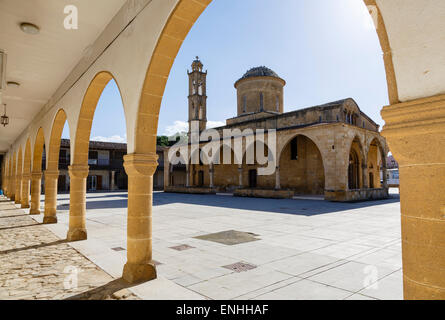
pixel 183 126
pixel 177 126
pixel 115 138
pixel 215 124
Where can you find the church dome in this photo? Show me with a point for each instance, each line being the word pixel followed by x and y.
pixel 260 72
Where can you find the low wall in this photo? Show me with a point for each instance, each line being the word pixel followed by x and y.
pixel 356 195
pixel 264 193
pixel 191 190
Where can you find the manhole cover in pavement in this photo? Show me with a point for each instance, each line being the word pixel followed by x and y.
pixel 230 237
pixel 118 249
pixel 182 247
pixel 240 267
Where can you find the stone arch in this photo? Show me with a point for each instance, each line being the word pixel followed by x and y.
pixel 52 171
pixel 290 137
pixel 78 170
pixel 86 115
pixel 311 177
pixel 19 162
pixel 39 145
pixel 26 176
pixel 13 175
pixel 27 157
pixel 55 140
pixel 18 179
pixel 354 164
pixel 176 29
pixel 373 161
pixel 141 165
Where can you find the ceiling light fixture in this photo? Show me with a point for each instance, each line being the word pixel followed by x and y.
pixel 13 84
pixel 4 118
pixel 29 28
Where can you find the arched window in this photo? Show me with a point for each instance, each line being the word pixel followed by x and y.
pixel 244 104
pixel 353 171
pixel 277 104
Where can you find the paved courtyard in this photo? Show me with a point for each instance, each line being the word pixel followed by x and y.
pixel 221 247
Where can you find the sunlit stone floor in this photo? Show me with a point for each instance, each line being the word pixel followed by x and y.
pixel 306 249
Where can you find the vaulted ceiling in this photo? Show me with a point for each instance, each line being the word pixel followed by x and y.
pixel 41 62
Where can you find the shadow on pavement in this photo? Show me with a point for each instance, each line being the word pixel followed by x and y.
pixel 284 206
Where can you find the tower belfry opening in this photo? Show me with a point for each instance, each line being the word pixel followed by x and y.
pixel 197 96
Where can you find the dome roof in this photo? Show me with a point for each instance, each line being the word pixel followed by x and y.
pixel 260 72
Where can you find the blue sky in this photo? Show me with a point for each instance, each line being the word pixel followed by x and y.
pixel 326 50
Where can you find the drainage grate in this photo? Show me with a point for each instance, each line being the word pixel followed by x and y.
pixel 182 247
pixel 118 249
pixel 240 267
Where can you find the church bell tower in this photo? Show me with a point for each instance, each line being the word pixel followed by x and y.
pixel 197 96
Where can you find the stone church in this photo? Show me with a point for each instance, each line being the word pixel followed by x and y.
pixel 333 150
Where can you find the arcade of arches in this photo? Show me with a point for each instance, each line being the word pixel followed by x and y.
pixel 137 48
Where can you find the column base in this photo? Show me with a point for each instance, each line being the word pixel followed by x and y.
pixel 12 198
pixel 77 235
pixel 34 212
pixel 17 201
pixel 25 206
pixel 49 220
pixel 136 273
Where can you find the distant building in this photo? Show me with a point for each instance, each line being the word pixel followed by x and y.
pixel 392 172
pixel 332 150
pixel 107 171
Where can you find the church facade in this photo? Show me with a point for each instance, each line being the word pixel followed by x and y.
pixel 333 150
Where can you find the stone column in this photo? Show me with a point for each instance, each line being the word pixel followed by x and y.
pixel 277 179
pixel 36 180
pixel 187 176
pixel 78 192
pixel 18 188
pixel 385 177
pixel 5 190
pixel 240 176
pixel 211 175
pixel 26 181
pixel 167 176
pixel 12 187
pixel 51 179
pixel 140 169
pixel 113 173
pixel 415 132
pixel 365 175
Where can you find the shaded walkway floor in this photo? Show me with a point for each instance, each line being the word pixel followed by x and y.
pixel 36 264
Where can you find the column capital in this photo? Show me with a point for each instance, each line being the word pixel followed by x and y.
pixel 26 176
pixel 51 174
pixel 141 164
pixel 78 171
pixel 36 175
pixel 415 130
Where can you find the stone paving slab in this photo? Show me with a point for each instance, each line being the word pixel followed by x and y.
pixel 37 265
pixel 306 249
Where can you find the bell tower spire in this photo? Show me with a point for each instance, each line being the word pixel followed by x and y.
pixel 197 96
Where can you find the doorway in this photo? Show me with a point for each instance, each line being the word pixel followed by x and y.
pixel 253 178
